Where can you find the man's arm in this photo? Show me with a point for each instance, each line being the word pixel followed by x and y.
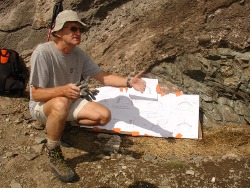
pixel 117 81
pixel 71 91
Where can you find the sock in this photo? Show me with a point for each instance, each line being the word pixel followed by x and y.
pixel 51 144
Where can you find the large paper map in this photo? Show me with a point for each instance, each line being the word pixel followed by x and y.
pixel 150 114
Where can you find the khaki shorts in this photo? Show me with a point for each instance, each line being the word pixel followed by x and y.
pixel 75 107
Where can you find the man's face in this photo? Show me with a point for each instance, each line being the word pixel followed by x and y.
pixel 71 33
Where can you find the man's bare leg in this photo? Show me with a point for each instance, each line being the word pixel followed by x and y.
pixel 56 111
pixel 94 114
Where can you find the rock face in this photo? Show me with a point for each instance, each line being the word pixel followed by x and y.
pixel 200 47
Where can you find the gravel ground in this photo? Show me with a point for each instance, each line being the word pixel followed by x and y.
pixel 220 159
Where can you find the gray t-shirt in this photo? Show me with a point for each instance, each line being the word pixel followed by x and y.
pixel 51 68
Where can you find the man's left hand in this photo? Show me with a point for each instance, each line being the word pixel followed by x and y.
pixel 137 83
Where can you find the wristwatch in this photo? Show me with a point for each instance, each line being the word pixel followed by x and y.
pixel 128 83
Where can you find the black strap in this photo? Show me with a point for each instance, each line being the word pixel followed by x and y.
pixel 15 64
pixel 57 9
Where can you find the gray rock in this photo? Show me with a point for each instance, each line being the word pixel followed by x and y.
pixel 30 156
pixel 38 126
pixel 213 180
pixel 2 159
pixel 38 148
pixel 190 172
pixel 10 154
pixel 151 158
pixel 40 140
pixel 14 184
pixel 129 158
pixel 106 157
pixel 101 156
pixel 204 39
pixel 103 135
pixel 113 144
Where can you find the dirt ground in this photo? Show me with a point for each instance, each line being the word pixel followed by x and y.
pixel 220 159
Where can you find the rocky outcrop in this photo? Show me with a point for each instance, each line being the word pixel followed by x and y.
pixel 221 78
pixel 200 47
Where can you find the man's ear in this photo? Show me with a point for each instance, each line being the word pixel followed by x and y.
pixel 56 34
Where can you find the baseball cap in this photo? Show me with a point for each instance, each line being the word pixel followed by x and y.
pixel 66 16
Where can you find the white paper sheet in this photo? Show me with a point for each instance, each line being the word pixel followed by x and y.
pixel 169 116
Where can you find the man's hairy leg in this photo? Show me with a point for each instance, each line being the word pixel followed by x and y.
pixel 56 111
pixel 94 114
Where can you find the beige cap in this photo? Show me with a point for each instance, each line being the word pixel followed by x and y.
pixel 66 16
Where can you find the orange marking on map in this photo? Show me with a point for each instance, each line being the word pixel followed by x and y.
pixel 158 89
pixel 134 133
pixel 117 130
pixel 163 93
pixel 178 93
pixel 179 135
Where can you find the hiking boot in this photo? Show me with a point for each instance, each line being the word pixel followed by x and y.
pixel 58 165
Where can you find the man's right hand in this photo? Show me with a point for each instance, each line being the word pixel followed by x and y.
pixel 71 91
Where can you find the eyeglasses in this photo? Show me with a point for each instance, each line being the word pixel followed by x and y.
pixel 75 29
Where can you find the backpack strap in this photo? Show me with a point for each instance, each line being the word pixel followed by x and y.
pixel 15 67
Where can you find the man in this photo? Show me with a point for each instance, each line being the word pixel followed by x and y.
pixel 55 98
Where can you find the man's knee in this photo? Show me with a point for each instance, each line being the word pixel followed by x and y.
pixel 59 106
pixel 105 117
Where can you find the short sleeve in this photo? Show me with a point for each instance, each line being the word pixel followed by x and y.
pixel 39 69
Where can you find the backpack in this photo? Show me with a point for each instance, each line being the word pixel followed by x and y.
pixel 11 72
